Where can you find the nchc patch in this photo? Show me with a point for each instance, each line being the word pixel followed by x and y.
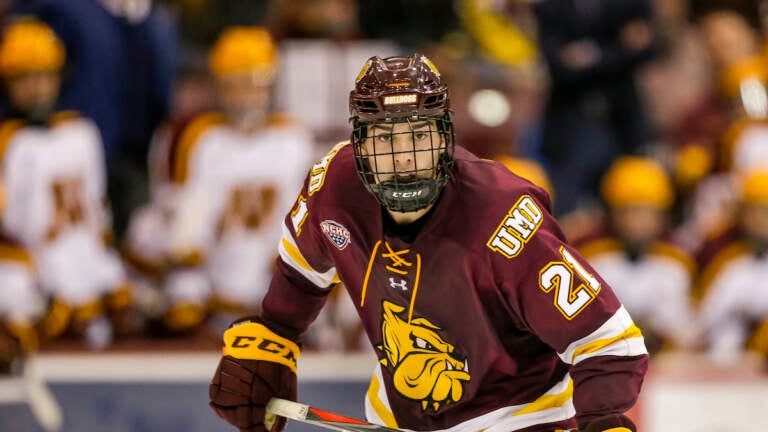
pixel 336 233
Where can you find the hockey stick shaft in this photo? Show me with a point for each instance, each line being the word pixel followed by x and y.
pixel 307 414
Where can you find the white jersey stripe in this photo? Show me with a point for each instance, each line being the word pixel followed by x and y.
pixel 618 336
pixel 555 405
pixel 291 255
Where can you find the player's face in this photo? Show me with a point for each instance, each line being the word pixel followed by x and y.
pixel 638 223
pixel 34 93
pixel 754 220
pixel 405 150
pixel 244 99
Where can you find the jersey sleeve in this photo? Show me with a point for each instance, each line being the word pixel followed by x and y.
pixel 558 297
pixel 305 271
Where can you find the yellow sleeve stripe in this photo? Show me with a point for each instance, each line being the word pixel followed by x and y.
pixel 547 401
pixel 617 429
pixel 187 142
pixel 618 336
pixel 378 406
pixel 291 255
pixel 295 255
pixel 632 332
pixel 255 341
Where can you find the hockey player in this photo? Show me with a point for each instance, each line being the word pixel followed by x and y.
pixel 53 173
pixel 734 309
pixel 234 173
pixel 483 318
pixel 651 275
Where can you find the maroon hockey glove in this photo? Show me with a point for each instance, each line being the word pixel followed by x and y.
pixel 613 423
pixel 257 365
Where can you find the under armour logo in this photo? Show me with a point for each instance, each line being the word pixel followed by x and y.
pixel 402 284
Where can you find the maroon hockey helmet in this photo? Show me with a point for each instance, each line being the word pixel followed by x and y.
pixel 401 90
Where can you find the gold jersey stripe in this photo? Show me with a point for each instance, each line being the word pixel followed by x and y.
pixel 632 332
pixel 296 255
pixel 16 254
pixel 549 401
pixel 378 406
pixel 187 142
pixel 714 268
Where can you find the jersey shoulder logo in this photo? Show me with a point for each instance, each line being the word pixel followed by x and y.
pixel 517 228
pixel 337 233
pixel 425 367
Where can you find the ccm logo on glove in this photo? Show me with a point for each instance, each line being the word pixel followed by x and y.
pixel 254 341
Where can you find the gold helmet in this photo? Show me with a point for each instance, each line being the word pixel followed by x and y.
pixel 30 46
pixel 755 187
pixel 528 169
pixel 244 50
pixel 634 180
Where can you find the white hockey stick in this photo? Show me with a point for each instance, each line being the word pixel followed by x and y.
pixel 307 414
pixel 41 401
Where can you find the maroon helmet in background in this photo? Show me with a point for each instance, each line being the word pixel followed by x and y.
pixel 401 90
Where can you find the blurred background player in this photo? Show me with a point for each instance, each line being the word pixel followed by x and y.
pixel 724 135
pixel 651 276
pixel 734 308
pixel 54 177
pixel 232 175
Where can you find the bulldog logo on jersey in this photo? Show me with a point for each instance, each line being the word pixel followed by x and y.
pixel 424 366
pixel 336 233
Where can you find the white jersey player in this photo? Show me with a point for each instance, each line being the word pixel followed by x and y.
pixel 53 173
pixel 234 174
pixel 734 309
pixel 652 277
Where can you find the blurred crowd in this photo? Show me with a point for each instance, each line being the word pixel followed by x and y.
pixel 150 148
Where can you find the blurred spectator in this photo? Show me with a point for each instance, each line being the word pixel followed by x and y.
pixel 504 31
pixel 313 19
pixel 651 276
pixel 722 136
pixel 594 111
pixel 202 21
pixel 54 180
pixel 211 229
pixel 410 24
pixel 122 57
pixel 734 309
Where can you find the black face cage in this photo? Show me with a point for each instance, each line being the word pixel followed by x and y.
pixel 417 188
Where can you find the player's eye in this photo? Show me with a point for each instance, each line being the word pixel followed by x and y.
pixel 384 138
pixel 420 136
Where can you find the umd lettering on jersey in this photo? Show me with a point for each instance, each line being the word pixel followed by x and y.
pixel 517 228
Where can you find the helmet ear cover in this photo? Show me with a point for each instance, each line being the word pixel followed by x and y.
pixel 393 91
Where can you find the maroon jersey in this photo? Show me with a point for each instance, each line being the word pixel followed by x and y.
pixel 487 319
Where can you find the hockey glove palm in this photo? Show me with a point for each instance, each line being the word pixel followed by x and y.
pixel 257 365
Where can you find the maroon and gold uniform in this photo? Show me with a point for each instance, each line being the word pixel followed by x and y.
pixel 483 317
